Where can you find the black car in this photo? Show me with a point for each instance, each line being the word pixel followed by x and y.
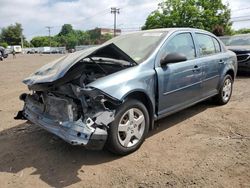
pixel 240 44
pixel 3 53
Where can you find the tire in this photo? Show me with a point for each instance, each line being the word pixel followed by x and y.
pixel 1 56
pixel 129 129
pixel 225 93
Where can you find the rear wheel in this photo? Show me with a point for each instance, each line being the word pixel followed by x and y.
pixel 129 129
pixel 225 91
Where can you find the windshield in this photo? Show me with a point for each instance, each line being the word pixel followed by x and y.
pixel 139 45
pixel 243 40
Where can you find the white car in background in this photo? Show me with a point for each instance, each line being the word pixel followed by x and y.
pixel 15 48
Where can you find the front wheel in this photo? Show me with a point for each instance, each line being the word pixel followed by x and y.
pixel 1 56
pixel 225 92
pixel 129 129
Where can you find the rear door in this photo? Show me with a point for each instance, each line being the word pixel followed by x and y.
pixel 210 57
pixel 179 84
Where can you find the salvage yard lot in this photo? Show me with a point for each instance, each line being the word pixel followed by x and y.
pixel 202 146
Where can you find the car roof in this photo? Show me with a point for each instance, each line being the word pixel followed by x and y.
pixel 174 29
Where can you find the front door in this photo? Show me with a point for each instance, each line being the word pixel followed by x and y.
pixel 179 84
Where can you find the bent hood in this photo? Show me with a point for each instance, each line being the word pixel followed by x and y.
pixel 58 68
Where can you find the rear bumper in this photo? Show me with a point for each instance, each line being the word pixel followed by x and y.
pixel 74 132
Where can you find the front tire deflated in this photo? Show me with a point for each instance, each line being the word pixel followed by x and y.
pixel 129 129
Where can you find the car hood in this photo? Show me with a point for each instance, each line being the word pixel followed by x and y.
pixel 239 48
pixel 58 68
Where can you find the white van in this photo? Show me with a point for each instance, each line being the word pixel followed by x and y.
pixel 16 48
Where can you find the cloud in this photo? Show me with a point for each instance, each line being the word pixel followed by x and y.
pixel 35 15
pixel 239 13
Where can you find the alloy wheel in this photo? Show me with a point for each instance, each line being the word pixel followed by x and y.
pixel 131 127
pixel 227 90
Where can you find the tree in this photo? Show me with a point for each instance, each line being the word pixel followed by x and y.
pixel 70 38
pixel 203 14
pixel 43 41
pixel 242 31
pixel 96 37
pixel 218 30
pixel 106 37
pixel 12 34
pixel 3 44
pixel 83 37
pixel 67 36
pixel 27 44
pixel 66 29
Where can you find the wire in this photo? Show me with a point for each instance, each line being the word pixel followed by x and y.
pixel 235 10
pixel 243 20
pixel 35 32
pixel 240 17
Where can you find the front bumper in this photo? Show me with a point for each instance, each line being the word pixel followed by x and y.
pixel 244 66
pixel 73 132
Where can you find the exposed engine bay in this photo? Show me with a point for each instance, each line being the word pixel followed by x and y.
pixel 70 109
pixel 91 69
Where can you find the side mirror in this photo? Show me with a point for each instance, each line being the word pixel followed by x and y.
pixel 173 58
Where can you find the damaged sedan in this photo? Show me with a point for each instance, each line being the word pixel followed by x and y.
pixel 111 95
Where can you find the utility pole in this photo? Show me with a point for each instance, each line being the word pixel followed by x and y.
pixel 115 11
pixel 21 40
pixel 49 30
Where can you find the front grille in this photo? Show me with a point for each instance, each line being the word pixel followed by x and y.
pixel 243 57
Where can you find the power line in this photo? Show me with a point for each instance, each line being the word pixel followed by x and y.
pixel 245 16
pixel 38 31
pixel 242 20
pixel 235 10
pixel 87 18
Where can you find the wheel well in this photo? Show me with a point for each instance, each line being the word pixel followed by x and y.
pixel 142 97
pixel 231 73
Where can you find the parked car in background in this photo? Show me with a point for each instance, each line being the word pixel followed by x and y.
pixel 225 39
pixel 30 50
pixel 15 48
pixel 3 53
pixel 45 50
pixel 112 94
pixel 240 44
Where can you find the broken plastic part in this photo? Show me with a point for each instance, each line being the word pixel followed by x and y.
pixel 105 117
pixel 89 122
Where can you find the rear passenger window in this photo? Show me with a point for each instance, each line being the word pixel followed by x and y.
pixel 183 44
pixel 217 45
pixel 206 44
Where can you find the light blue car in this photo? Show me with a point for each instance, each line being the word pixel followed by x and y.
pixel 112 94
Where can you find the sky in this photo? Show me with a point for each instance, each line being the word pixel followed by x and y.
pixel 35 15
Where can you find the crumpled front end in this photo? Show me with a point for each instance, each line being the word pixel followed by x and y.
pixel 80 116
pixel 63 102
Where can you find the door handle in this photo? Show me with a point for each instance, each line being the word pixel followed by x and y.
pixel 221 61
pixel 196 68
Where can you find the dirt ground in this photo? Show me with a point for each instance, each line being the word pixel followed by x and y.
pixel 203 146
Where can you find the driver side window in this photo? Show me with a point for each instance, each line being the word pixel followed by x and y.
pixel 182 43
